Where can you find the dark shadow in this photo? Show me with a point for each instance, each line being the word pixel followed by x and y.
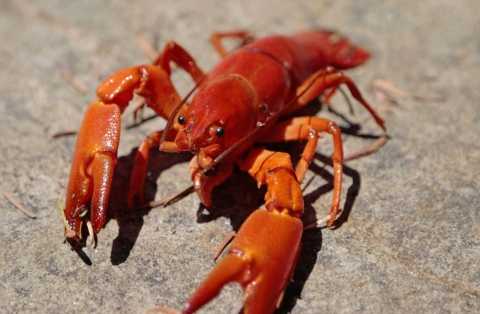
pixel 130 221
pixel 352 129
pixel 312 238
pixel 235 199
pixel 352 191
pixel 311 245
pixel 84 257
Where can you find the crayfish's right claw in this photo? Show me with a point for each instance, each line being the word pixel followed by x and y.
pixel 92 169
pixel 261 259
pixel 95 154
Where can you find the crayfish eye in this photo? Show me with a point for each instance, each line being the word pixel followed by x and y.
pixel 219 132
pixel 181 119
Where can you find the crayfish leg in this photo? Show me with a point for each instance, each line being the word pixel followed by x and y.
pixel 217 37
pixel 307 128
pixel 139 172
pixel 174 52
pixel 329 78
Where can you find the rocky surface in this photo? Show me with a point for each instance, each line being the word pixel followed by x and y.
pixel 410 242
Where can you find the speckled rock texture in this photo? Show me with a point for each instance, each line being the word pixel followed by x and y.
pixel 409 241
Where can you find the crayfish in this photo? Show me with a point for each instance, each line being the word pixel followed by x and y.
pixel 245 100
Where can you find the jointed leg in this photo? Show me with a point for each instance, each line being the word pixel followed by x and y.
pixel 275 170
pixel 156 87
pixel 173 52
pixel 137 179
pixel 216 40
pixel 330 78
pixel 307 128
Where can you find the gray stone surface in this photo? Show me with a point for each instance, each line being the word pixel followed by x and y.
pixel 411 241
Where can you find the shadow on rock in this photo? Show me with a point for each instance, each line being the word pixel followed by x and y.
pixel 130 221
pixel 312 238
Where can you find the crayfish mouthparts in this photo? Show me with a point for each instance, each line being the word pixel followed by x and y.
pixel 169 147
pixel 206 162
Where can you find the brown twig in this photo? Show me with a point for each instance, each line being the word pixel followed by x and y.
pixel 146 48
pixel 69 233
pixel 368 150
pixel 387 91
pixel 224 243
pixel 165 310
pixel 389 87
pixel 383 109
pixel 71 80
pixel 18 205
pixel 429 98
pixel 137 104
pixel 317 223
pixel 64 133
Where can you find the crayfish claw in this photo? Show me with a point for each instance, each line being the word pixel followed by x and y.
pixel 261 259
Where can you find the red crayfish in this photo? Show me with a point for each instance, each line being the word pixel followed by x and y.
pixel 245 100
